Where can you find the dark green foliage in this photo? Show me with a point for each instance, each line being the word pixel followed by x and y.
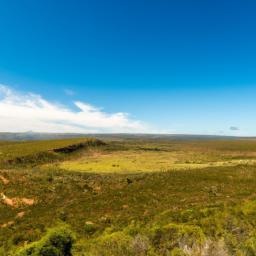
pixel 57 242
pixel 78 146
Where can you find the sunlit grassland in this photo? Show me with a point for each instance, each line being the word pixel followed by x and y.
pixel 134 162
pixel 159 156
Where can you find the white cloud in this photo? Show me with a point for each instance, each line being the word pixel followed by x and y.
pixel 30 112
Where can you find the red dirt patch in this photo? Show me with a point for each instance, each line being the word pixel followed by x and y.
pixel 7 224
pixel 27 201
pixel 20 215
pixel 4 180
pixel 16 202
pixel 8 201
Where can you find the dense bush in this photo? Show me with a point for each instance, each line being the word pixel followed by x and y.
pixel 57 242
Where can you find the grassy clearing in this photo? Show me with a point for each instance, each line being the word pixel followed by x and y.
pixel 151 157
pixel 138 162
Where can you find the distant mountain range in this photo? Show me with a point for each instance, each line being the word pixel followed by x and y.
pixel 117 136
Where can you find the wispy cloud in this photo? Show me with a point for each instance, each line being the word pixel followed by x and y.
pixel 26 112
pixel 234 128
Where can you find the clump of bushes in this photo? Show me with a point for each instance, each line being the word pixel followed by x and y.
pixel 171 237
pixel 115 243
pixel 78 146
pixel 57 242
pixel 90 227
pixel 248 247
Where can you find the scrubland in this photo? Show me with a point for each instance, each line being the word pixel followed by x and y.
pixel 128 197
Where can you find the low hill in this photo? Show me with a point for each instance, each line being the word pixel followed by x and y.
pixel 118 136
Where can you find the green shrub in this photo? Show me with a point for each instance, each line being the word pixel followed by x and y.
pixel 117 243
pixel 57 242
pixel 249 247
pixel 173 236
pixel 177 252
pixel 90 227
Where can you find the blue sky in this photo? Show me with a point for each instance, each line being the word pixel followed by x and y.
pixel 139 66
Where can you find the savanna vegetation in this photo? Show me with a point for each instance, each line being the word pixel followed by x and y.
pixel 128 197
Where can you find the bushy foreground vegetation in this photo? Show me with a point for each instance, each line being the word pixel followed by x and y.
pixel 208 231
pixel 211 231
pixel 48 211
pixel 57 241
